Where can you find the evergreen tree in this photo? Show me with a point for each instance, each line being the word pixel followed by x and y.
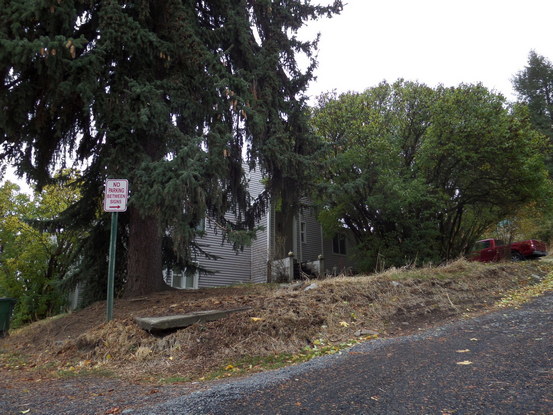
pixel 534 85
pixel 169 94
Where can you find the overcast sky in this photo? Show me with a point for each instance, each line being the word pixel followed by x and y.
pixel 431 41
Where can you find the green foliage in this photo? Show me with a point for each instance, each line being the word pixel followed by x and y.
pixel 168 94
pixel 418 173
pixel 534 85
pixel 36 258
pixel 252 364
pixel 531 221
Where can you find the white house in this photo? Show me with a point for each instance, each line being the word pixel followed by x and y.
pixel 286 244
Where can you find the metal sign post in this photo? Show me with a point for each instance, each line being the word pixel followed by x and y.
pixel 111 265
pixel 115 201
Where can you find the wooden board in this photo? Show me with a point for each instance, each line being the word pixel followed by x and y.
pixel 183 320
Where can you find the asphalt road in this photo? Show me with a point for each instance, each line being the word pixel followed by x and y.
pixel 499 363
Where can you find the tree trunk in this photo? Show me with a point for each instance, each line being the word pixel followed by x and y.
pixel 144 261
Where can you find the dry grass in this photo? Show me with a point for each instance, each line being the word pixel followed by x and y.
pixel 282 321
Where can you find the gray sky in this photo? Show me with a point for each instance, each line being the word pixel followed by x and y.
pixel 431 41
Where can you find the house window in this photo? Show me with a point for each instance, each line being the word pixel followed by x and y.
pixel 182 278
pixel 303 235
pixel 339 244
pixel 200 227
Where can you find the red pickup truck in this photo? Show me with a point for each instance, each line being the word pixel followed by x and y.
pixel 488 250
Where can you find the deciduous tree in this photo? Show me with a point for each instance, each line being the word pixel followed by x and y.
pixel 36 259
pixel 418 173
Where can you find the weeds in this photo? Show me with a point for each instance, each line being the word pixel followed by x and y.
pixel 517 297
pixel 175 379
pixel 79 372
pixel 13 360
pixel 253 364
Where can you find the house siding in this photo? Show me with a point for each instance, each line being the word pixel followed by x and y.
pixel 232 267
pixel 260 254
pixel 311 248
pixel 336 263
pixel 261 244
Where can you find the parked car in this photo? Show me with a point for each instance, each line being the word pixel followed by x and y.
pixel 488 250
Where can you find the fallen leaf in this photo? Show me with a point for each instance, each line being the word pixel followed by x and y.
pixel 256 319
pixel 344 324
pixel 465 362
pixel 26 411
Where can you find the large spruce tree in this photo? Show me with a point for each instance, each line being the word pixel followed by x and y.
pixel 170 94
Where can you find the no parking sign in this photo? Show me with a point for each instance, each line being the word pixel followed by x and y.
pixel 116 195
pixel 115 200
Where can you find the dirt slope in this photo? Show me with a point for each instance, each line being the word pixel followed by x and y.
pixel 284 322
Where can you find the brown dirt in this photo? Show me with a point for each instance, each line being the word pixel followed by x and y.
pixel 282 319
